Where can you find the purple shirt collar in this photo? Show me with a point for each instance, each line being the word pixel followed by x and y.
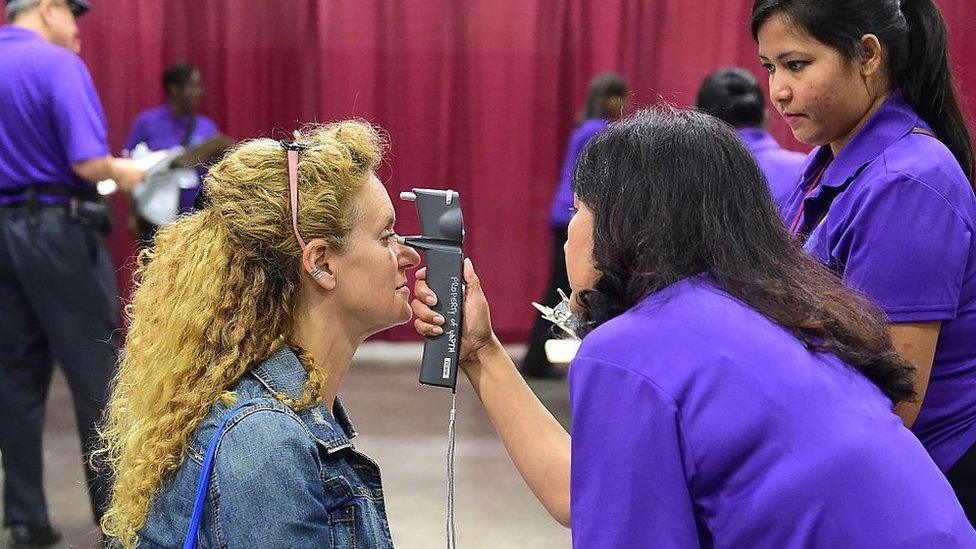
pixel 20 32
pixel 891 122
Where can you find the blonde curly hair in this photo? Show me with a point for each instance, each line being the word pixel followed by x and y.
pixel 215 296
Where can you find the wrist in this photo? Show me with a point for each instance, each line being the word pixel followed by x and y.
pixel 484 354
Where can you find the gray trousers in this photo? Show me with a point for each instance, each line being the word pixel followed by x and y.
pixel 58 303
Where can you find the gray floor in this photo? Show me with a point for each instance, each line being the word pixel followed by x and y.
pixel 403 426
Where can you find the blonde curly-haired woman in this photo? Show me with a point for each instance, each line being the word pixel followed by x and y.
pixel 243 325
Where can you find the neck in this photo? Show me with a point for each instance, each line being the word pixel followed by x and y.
pixel 325 335
pixel 178 109
pixel 837 146
pixel 32 22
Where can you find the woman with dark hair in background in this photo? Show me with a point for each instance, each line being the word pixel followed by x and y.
pixel 887 199
pixel 175 123
pixel 734 95
pixel 729 391
pixel 605 102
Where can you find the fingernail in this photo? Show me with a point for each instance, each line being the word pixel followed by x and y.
pixel 438 330
pixel 430 300
pixel 438 319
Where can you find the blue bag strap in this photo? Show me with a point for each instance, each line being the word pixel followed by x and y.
pixel 190 541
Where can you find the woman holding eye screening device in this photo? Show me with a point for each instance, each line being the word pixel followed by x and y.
pixel 729 391
pixel 245 320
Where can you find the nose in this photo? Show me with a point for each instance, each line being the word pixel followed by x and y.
pixel 408 257
pixel 780 91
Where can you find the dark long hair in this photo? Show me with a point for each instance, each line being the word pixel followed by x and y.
pixel 674 193
pixel 913 33
pixel 733 95
pixel 603 86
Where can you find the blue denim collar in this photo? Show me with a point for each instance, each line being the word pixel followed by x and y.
pixel 282 373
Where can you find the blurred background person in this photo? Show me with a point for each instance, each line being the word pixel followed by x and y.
pixel 605 102
pixel 176 123
pixel 58 299
pixel 734 95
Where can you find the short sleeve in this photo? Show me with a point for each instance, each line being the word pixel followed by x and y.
pixel 629 466
pixel 137 134
pixel 270 491
pixel 78 114
pixel 906 248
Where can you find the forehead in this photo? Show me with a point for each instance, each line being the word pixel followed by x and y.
pixel 780 34
pixel 374 202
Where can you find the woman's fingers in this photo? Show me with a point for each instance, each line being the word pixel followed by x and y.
pixel 422 291
pixel 427 329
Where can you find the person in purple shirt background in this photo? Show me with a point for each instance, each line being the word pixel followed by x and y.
pixel 729 391
pixel 887 199
pixel 58 300
pixel 175 123
pixel 605 101
pixel 734 95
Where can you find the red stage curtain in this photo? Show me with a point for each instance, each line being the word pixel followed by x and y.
pixel 477 95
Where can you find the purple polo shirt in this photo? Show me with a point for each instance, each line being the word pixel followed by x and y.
pixel 50 115
pixel 562 204
pixel 160 129
pixel 699 422
pixel 900 228
pixel 781 167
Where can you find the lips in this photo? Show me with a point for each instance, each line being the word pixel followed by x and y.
pixel 793 118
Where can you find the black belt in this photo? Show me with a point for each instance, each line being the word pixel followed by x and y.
pixel 84 206
pixel 31 193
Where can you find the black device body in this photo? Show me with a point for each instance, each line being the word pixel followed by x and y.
pixel 441 239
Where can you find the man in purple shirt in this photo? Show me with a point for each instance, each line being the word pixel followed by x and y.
pixel 734 95
pixel 175 124
pixel 58 300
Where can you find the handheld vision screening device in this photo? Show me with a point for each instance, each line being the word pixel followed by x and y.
pixel 441 238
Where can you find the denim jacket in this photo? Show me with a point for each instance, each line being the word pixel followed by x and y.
pixel 280 478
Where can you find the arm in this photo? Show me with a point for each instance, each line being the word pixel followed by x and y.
pixel 266 455
pixel 915 342
pixel 82 130
pixel 536 442
pixel 907 248
pixel 122 170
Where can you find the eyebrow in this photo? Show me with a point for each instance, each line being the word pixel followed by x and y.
pixel 782 56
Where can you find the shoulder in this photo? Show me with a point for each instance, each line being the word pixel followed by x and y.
pixel 58 66
pixel 588 129
pixel 676 323
pixel 206 123
pixel 262 433
pixel 919 168
pixel 788 157
pixel 149 115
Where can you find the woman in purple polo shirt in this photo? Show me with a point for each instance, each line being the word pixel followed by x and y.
pixel 728 392
pixel 887 199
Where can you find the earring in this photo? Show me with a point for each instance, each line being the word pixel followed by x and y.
pixel 316 272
